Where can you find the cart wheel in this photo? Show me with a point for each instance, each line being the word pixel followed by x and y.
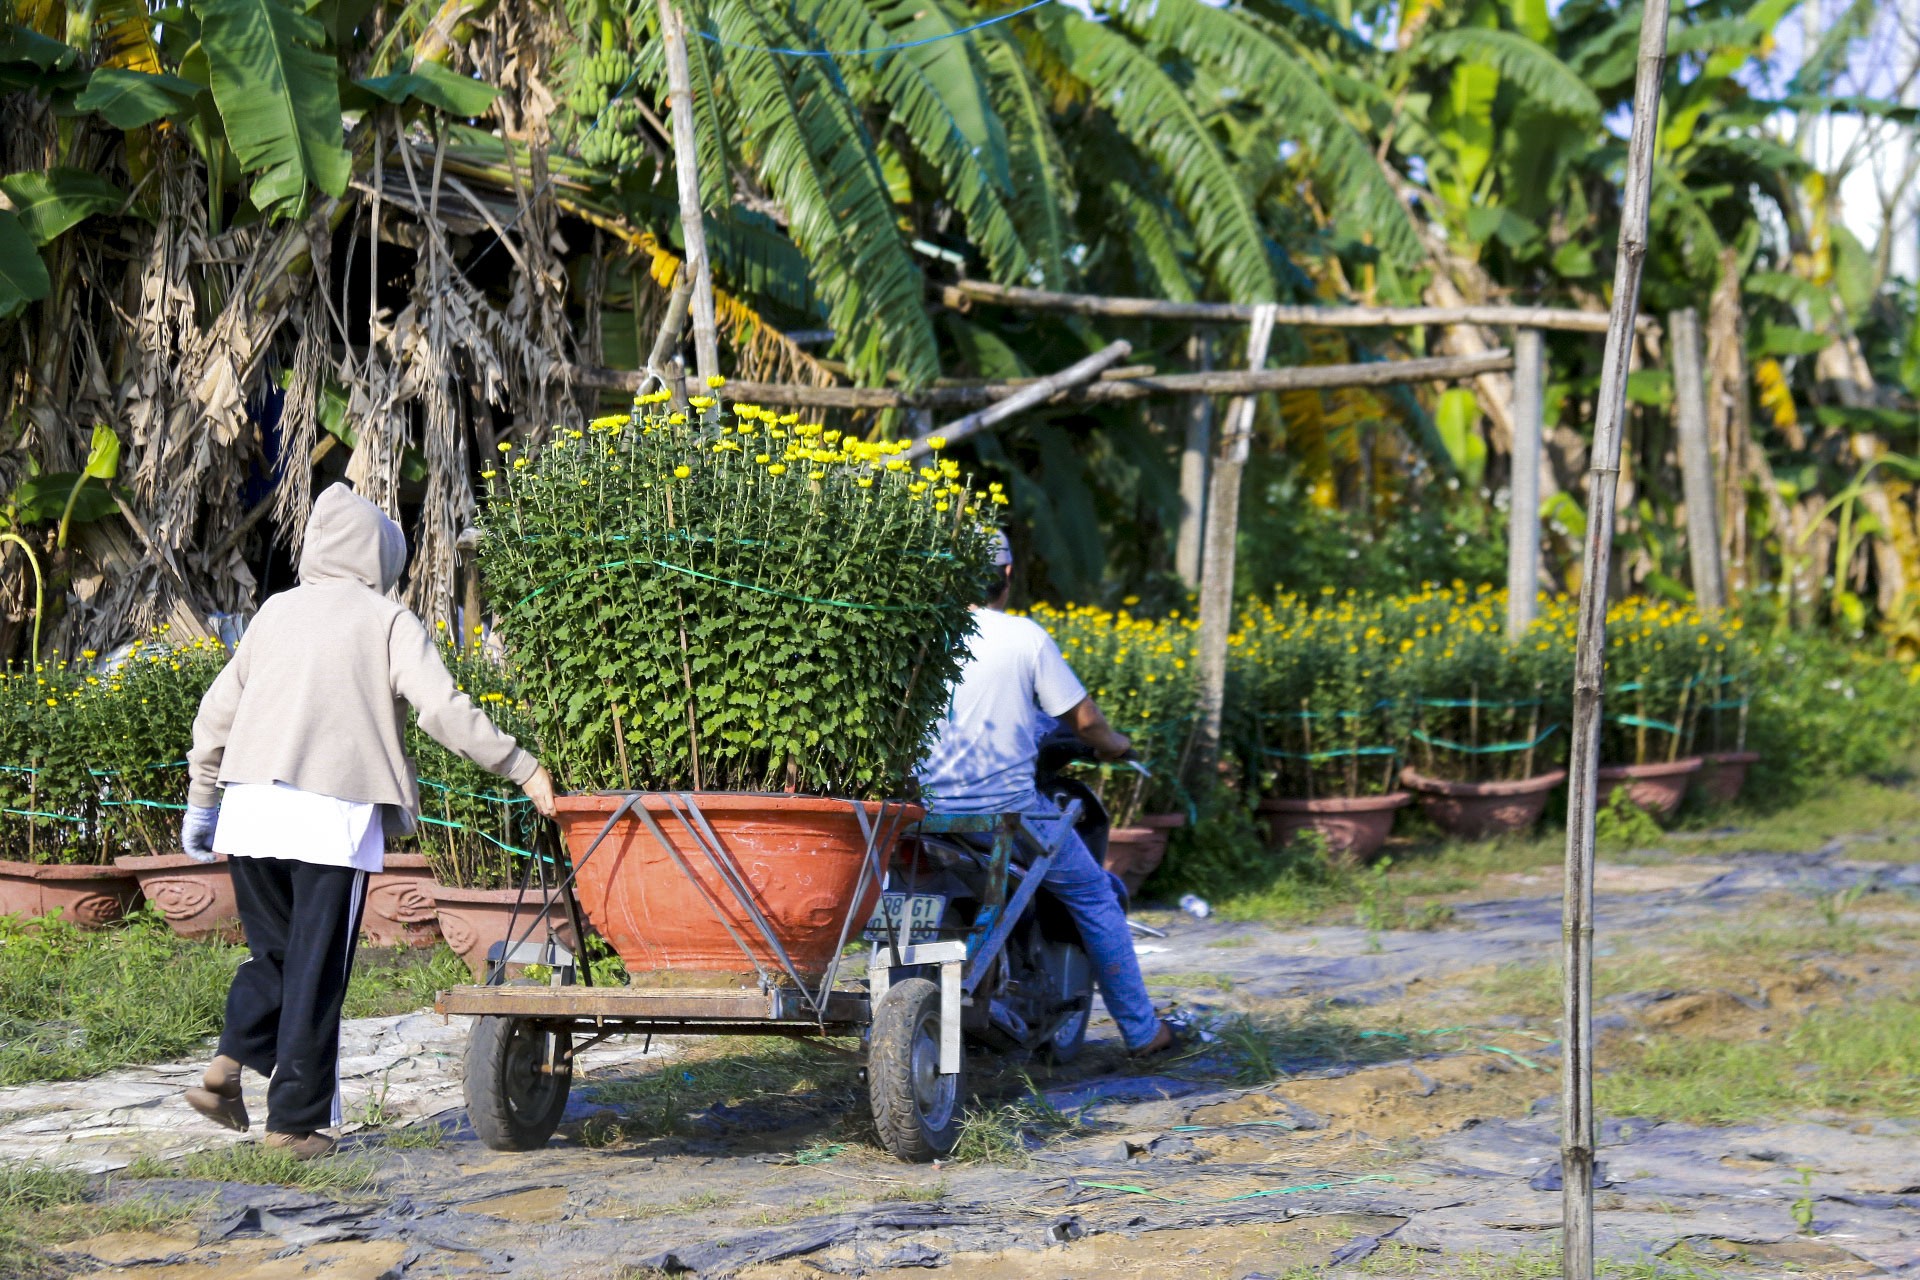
pixel 513 1102
pixel 915 1108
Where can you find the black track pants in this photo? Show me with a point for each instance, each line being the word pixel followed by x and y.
pixel 283 1010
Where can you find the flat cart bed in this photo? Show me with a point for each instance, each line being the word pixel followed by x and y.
pixel 662 1010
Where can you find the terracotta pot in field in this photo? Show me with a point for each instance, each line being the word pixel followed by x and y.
pixel 195 898
pixel 1354 827
pixel 90 897
pixel 400 910
pixel 472 920
pixel 1658 787
pixel 1482 810
pixel 1723 774
pixel 1134 853
pixel 797 858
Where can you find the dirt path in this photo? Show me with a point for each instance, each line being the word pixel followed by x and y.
pixel 1396 1138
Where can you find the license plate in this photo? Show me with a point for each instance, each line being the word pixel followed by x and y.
pixel 916 916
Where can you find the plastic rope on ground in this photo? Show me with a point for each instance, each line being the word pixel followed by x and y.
pixel 1130 1189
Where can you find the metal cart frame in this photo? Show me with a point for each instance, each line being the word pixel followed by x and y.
pixel 525 1038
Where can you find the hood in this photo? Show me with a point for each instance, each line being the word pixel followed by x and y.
pixel 349 539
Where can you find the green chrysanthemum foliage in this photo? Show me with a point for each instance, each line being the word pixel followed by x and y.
pixel 736 602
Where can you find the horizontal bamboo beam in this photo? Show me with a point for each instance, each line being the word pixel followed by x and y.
pixel 1220 382
pixel 1075 375
pixel 967 292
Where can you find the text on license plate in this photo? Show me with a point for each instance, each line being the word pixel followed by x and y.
pixel 915 915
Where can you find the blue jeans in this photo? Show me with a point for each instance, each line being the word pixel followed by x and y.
pixel 1083 887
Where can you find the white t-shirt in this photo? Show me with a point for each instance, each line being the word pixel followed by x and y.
pixel 984 750
pixel 279 821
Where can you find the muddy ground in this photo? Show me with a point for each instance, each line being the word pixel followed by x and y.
pixel 1403 1123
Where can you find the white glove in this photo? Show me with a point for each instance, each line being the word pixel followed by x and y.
pixel 196 832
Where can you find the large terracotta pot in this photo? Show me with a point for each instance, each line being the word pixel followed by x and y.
pixel 472 920
pixel 196 898
pixel 798 858
pixel 1723 774
pixel 400 910
pixel 1481 810
pixel 90 897
pixel 1136 852
pixel 1657 788
pixel 1354 827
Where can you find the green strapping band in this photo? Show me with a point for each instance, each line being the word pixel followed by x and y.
pixel 1643 722
pixel 473 795
pixel 1491 748
pixel 729 582
pixel 1333 755
pixel 1473 702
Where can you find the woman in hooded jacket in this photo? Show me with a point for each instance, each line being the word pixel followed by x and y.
pixel 299 775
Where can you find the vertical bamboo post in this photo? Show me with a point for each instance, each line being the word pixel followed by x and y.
pixel 1193 470
pixel 686 165
pixel 1590 650
pixel 1696 461
pixel 1216 572
pixel 1523 507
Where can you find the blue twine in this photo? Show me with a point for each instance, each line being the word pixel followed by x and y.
pixel 878 49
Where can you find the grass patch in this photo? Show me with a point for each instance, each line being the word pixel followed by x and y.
pixel 415 1137
pixel 392 980
pixel 1399 1260
pixel 661 1102
pixel 41 1208
pixel 1845 806
pixel 1261 1048
pixel 75 1003
pixel 1006 1134
pixel 261 1165
pixel 1215 981
pixel 1858 1058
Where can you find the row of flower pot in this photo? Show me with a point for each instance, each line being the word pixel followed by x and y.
pixel 405 906
pixel 1354 828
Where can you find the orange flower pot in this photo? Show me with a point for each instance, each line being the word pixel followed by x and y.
pixel 1658 787
pixel 90 897
pixel 1354 827
pixel 196 898
pixel 472 920
pixel 400 910
pixel 799 858
pixel 1723 774
pixel 1481 810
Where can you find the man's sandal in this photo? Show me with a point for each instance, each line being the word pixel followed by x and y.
pixel 217 1096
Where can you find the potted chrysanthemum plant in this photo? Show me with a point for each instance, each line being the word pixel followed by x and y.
pixel 1659 653
pixel 1484 741
pixel 1321 677
pixel 745 624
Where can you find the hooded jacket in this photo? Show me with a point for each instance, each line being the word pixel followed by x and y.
pixel 316 694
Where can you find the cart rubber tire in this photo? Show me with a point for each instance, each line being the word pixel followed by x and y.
pixel 915 1109
pixel 512 1105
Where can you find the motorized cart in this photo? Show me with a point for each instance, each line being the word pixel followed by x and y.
pixel 930 957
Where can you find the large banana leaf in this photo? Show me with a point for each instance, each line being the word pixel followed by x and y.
pixel 1528 67
pixel 934 97
pixel 1245 52
pixel 806 141
pixel 436 86
pixel 124 30
pixel 1043 197
pixel 47 202
pixel 129 99
pixel 23 276
pixel 1149 108
pixel 275 86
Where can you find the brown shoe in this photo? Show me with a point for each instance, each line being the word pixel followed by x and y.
pixel 218 1095
pixel 1165 1040
pixel 302 1146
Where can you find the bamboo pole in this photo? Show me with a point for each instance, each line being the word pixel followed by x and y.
pixel 686 165
pixel 967 292
pixel 1194 451
pixel 1216 572
pixel 1696 461
pixel 1225 382
pixel 1523 493
pixel 1576 1063
pixel 1037 392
